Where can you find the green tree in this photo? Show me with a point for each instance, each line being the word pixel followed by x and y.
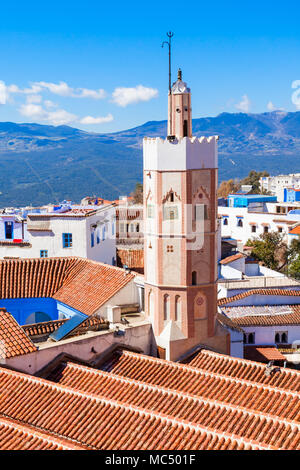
pixel 293 259
pixel 269 249
pixel 253 179
pixel 137 194
pixel 227 187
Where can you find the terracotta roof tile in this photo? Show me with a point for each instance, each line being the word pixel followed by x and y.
pixel 134 259
pixel 95 422
pixel 13 340
pixel 80 283
pixel 263 354
pixel 258 315
pixel 17 436
pixel 283 292
pixel 209 412
pixel 232 258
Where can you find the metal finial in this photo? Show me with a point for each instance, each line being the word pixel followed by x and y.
pixel 179 75
pixel 170 35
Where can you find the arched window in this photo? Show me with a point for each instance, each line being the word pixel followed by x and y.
pixel 171 197
pixel 251 338
pixel 177 308
pixel 137 227
pixel 284 338
pixel 166 307
pixel 194 278
pixel 225 221
pixel 240 223
pixel 277 338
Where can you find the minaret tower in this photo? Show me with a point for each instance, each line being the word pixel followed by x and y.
pixel 180 245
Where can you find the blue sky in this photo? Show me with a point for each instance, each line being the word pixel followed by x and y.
pixel 99 66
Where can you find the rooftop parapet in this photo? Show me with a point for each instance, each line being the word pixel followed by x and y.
pixel 180 154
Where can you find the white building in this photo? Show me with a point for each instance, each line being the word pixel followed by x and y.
pixel 242 223
pixel 276 184
pixel 87 232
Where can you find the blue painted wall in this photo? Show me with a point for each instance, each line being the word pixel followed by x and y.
pixel 290 195
pixel 25 310
pixel 239 200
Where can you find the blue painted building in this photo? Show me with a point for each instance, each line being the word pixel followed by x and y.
pixel 38 309
pixel 291 195
pixel 250 201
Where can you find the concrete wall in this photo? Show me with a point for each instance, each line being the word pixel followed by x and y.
pixel 139 337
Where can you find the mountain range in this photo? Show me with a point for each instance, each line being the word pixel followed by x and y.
pixel 41 164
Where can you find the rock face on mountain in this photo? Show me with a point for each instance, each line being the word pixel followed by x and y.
pixel 39 163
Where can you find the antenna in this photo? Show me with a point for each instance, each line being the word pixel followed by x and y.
pixel 168 43
pixel 170 35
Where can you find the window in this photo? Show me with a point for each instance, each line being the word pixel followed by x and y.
pixel 170 249
pixel 280 229
pixel 225 221
pixel 113 228
pixel 177 308
pixel 171 197
pixel 9 230
pixel 98 236
pixel 67 240
pixel 185 128
pixel 137 227
pixel 194 278
pixel 266 229
pixel 44 254
pixel 249 338
pixel 253 228
pixel 240 222
pixel 103 233
pixel 172 215
pixel 92 239
pixel 166 307
pixel 281 337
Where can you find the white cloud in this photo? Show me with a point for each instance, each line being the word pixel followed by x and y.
pixel 60 117
pixel 61 88
pixel 3 93
pixel 124 96
pixel 244 104
pixel 94 94
pixel 296 94
pixel 33 99
pixel 271 106
pixel 37 112
pixel 50 104
pixel 96 120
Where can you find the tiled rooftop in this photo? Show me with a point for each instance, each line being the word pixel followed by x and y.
pixel 13 340
pixel 232 258
pixel 263 354
pixel 209 412
pixel 274 292
pixel 80 283
pixel 98 423
pixel 17 436
pixel 264 315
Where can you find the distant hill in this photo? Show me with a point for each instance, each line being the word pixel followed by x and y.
pixel 41 164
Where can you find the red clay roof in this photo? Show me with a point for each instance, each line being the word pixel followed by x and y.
pixel 80 283
pixel 282 292
pixel 98 423
pixel 13 339
pixel 276 319
pixel 92 286
pixel 263 354
pixel 48 327
pixel 134 259
pixel 17 436
pixel 209 412
pixel 232 258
